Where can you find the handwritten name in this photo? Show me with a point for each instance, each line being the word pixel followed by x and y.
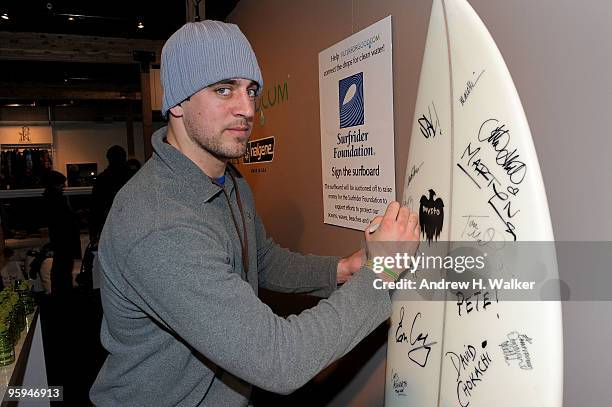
pixel 482 300
pixel 418 354
pixel 499 139
pixel 399 385
pixel 471 366
pixel 470 86
pixel 515 349
pixel 414 171
pixel 500 201
pixel 430 124
pixel 478 165
pixel 500 196
pixel 473 230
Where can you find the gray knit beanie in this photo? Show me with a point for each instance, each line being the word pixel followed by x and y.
pixel 200 54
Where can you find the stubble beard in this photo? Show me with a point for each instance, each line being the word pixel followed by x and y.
pixel 214 145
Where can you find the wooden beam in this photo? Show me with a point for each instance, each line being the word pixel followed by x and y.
pixel 2 246
pixel 10 91
pixel 30 46
pixel 147 113
pixel 129 127
pixel 190 10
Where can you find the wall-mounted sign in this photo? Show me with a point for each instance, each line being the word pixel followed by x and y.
pixel 357 148
pixel 259 151
pixel 26 135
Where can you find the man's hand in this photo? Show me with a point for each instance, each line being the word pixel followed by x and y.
pixel 396 232
pixel 347 266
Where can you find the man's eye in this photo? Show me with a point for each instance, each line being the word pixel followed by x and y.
pixel 252 92
pixel 223 91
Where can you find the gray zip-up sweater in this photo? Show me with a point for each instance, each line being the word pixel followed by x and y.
pixel 182 322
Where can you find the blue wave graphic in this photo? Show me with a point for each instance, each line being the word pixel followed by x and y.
pixel 352 110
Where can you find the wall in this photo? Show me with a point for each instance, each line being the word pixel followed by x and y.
pixel 24 135
pixel 79 142
pixel 558 52
pixel 87 142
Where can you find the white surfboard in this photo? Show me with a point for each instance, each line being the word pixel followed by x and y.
pixel 473 174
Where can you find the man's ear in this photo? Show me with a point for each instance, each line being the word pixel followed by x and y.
pixel 176 111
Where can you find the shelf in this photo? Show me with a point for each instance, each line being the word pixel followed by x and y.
pixel 37 192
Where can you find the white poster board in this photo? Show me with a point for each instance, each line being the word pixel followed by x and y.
pixel 357 149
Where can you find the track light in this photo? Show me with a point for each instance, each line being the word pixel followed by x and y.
pixel 140 25
pixel 5 16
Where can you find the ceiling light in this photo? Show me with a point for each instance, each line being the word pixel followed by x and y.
pixel 70 18
pixel 33 104
pixel 140 25
pixel 5 16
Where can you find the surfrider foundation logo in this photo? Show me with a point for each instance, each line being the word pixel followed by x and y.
pixel 350 101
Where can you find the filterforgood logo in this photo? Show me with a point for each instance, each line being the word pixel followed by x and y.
pixel 259 151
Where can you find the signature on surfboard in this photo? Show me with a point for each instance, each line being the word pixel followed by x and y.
pixel 420 349
pixel 430 124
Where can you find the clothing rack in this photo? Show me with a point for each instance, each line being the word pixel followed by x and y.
pixel 42 146
pixel 27 173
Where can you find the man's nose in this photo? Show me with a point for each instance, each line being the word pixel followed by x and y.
pixel 244 105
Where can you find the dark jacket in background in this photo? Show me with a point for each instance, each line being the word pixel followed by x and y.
pixel 107 184
pixel 64 238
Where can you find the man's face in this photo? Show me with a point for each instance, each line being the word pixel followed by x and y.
pixel 219 118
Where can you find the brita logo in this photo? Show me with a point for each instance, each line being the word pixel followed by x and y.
pixel 351 100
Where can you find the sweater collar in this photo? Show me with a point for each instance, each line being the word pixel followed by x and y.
pixel 187 171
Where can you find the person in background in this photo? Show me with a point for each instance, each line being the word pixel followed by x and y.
pixel 64 233
pixel 134 165
pixel 74 176
pixel 105 187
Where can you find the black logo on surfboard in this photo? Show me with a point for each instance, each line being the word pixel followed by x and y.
pixel 431 216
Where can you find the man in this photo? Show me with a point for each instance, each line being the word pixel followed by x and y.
pixel 183 253
pixel 64 233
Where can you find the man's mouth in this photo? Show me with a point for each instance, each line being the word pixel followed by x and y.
pixel 240 128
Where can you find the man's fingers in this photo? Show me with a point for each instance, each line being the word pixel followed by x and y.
pixel 403 214
pixel 413 224
pixel 413 220
pixel 374 224
pixel 377 219
pixel 392 211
